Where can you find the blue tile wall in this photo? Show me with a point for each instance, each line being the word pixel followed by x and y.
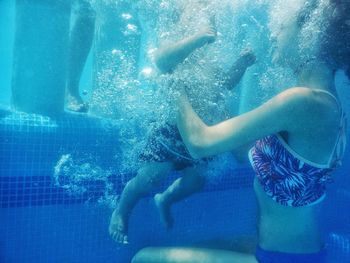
pixel 31 145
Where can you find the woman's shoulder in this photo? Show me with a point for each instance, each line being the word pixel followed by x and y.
pixel 298 92
pixel 318 107
pixel 308 97
pixel 295 99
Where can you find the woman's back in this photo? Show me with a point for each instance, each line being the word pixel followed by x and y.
pixel 290 184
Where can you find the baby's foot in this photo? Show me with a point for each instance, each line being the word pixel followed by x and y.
pixel 118 228
pixel 76 103
pixel 164 211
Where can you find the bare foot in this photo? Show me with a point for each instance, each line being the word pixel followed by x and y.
pixel 118 228
pixel 164 211
pixel 76 103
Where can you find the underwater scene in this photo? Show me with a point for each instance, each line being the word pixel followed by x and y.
pixel 174 131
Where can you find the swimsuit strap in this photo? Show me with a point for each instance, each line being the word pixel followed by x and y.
pixel 340 142
pixel 330 94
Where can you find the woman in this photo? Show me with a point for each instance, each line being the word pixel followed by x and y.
pixel 299 139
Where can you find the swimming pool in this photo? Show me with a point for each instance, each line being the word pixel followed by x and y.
pixel 43 222
pixel 60 176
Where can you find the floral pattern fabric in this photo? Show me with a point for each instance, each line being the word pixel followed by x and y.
pixel 285 178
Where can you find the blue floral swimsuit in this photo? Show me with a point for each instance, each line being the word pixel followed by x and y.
pixel 290 179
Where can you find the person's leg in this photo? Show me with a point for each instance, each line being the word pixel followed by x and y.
pixel 191 255
pixel 181 188
pixel 80 44
pixel 146 179
pixel 245 244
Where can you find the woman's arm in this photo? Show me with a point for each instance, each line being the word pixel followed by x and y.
pixel 278 114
